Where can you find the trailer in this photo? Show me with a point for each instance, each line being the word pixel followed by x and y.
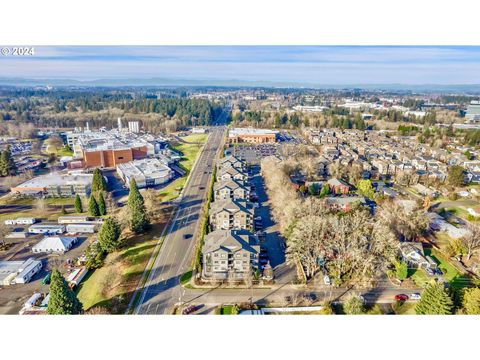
pixel 26 221
pixel 74 219
pixel 76 276
pixel 82 228
pixel 46 229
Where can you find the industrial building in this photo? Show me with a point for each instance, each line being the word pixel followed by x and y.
pixel 55 244
pixel 56 184
pixel 473 112
pixel 109 148
pixel 146 172
pixel 251 135
pixel 18 272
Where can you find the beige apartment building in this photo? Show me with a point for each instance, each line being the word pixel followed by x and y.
pixel 230 254
pixel 231 214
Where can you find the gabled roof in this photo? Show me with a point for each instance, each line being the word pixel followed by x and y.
pixel 55 242
pixel 230 183
pixel 337 182
pixel 231 241
pixel 231 206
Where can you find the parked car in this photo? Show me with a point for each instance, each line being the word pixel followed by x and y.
pixel 430 271
pixel 401 297
pixel 326 280
pixel 258 218
pixel 189 309
pixel 438 271
pixel 46 279
pixel 187 236
pixel 415 296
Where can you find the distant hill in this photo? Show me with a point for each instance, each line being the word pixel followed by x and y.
pixel 119 82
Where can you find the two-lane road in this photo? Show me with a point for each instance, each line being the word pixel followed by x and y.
pixel 162 289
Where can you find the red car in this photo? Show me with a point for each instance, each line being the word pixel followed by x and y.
pixel 401 297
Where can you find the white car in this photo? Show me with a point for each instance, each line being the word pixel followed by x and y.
pixel 415 296
pixel 326 280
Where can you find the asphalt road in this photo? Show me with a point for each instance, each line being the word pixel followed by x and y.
pixel 212 298
pixel 162 289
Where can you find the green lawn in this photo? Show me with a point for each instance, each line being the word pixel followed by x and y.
pixel 196 138
pixel 190 153
pixel 185 279
pixel 228 310
pixel 65 151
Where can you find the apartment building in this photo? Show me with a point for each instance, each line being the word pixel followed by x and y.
pixel 231 173
pixel 230 254
pixel 231 214
pixel 231 161
pixel 230 189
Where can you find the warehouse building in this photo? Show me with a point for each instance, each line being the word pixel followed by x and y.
pixel 146 172
pixel 18 272
pixel 56 184
pixel 251 135
pixel 55 244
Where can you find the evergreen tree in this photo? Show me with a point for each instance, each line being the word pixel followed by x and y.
pixel 78 204
pixel 138 216
pixel 109 235
pixel 98 181
pixel 93 206
pixel 94 256
pixel 471 301
pixel 63 300
pixel 7 164
pixel 401 269
pixel 325 190
pixel 102 207
pixel 435 301
pixel 354 306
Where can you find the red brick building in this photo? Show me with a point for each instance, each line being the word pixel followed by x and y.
pixel 110 158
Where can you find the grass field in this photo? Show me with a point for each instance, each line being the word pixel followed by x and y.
pixel 196 138
pixel 112 285
pixel 190 153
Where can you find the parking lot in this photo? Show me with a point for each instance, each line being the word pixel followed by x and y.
pixel 271 244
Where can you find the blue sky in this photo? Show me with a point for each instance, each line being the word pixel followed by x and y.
pixel 309 65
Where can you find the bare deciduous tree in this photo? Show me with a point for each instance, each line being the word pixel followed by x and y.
pixel 471 241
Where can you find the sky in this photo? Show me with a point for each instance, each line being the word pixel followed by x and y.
pixel 307 65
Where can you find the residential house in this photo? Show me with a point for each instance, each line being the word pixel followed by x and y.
pixel 338 186
pixel 344 203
